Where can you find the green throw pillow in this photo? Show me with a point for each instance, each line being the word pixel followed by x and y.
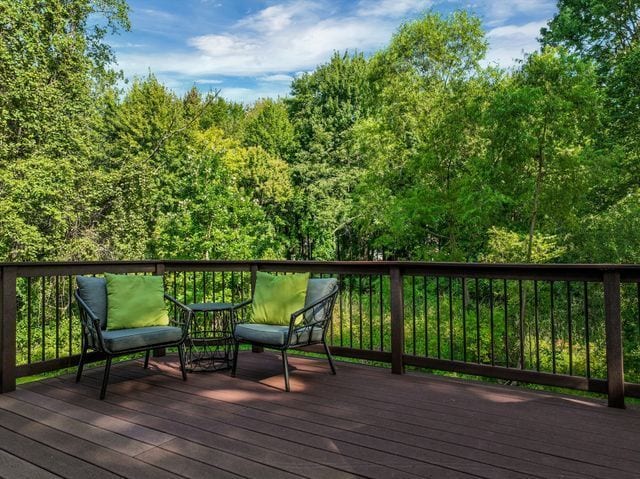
pixel 135 301
pixel 276 297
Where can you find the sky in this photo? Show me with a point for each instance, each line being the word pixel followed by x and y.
pixel 253 49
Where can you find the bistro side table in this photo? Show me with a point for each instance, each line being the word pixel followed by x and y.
pixel 209 345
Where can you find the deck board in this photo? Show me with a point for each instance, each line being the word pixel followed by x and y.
pixel 364 422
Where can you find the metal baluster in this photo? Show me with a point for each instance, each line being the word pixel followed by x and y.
pixel 360 306
pixel 370 312
pixel 438 313
pixel 463 283
pixel 42 316
pixel 520 302
pixel 535 309
pixel 351 311
pixel 29 320
pixel 233 286
pixel 70 313
pixel 570 326
pixel 175 295
pixel 493 361
pixel 57 303
pixel 506 323
pixel 341 282
pixel 553 333
pixel 184 287
pixel 381 315
pixel 638 294
pixel 413 310
pixel 478 359
pixel 450 318
pixel 426 315
pixel 586 329
pixel 204 286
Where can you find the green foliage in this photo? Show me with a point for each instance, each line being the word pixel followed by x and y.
pixel 323 108
pixel 53 66
pixel 418 152
pixel 599 29
pixel 267 125
pixel 506 246
pixel 429 89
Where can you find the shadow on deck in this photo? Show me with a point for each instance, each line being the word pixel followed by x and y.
pixel 362 422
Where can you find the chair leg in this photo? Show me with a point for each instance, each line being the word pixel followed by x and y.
pixel 81 363
pixel 236 349
pixel 285 365
pixel 326 350
pixel 146 358
pixel 105 377
pixel 182 366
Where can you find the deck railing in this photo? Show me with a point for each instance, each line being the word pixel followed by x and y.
pixel 571 326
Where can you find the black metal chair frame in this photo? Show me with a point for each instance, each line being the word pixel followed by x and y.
pixel 324 304
pixel 92 339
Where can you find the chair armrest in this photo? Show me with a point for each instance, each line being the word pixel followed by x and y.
pixel 313 305
pixel 235 319
pixel 244 304
pixel 321 323
pixel 187 314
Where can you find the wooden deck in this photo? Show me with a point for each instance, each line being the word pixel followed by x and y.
pixel 363 422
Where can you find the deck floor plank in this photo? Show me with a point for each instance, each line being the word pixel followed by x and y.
pixel 364 422
pixel 12 467
pixel 247 443
pixel 579 461
pixel 291 420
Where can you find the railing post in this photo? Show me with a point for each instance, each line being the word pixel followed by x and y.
pixel 254 271
pixel 158 353
pixel 397 322
pixel 8 310
pixel 159 269
pixel 613 328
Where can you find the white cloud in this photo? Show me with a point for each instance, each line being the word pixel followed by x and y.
pixel 277 78
pixel 392 8
pixel 497 12
pixel 282 41
pixel 297 36
pixel 510 42
pixel 276 17
pixel 157 14
pixel 206 81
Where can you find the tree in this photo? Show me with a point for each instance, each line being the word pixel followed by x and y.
pixel 543 121
pixel 53 66
pixel 598 29
pixel 267 125
pixel 323 107
pixel 421 137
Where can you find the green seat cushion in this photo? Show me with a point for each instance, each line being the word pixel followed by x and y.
pixel 275 298
pixel 135 301
pixel 274 335
pixel 93 292
pixel 124 339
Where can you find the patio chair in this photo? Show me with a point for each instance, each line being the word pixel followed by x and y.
pixel 307 326
pixel 91 296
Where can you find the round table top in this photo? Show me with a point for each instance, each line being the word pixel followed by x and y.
pixel 207 307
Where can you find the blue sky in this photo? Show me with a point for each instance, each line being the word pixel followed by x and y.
pixel 252 49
